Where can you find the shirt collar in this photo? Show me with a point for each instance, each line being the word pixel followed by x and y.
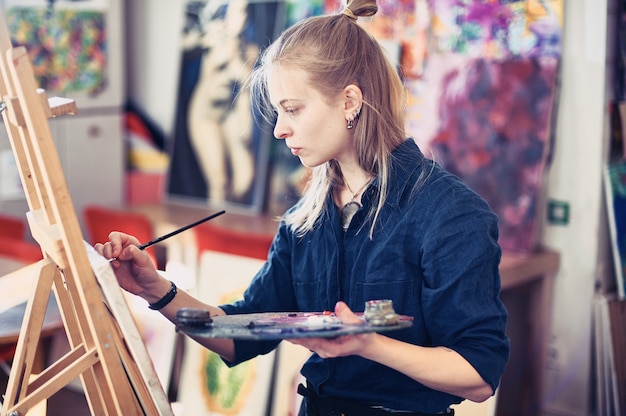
pixel 405 160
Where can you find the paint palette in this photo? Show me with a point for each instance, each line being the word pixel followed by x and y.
pixel 277 325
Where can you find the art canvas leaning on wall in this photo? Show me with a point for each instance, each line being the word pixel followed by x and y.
pixel 485 104
pixel 219 150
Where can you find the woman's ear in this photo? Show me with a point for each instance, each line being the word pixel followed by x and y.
pixel 353 100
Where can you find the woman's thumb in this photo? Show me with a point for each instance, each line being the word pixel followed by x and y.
pixel 343 312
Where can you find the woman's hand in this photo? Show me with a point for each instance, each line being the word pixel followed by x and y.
pixel 133 267
pixel 440 368
pixel 340 346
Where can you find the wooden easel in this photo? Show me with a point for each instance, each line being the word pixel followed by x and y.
pixel 106 348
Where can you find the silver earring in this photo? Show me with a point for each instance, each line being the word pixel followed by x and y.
pixel 350 124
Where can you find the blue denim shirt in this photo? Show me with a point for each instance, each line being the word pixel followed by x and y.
pixel 434 253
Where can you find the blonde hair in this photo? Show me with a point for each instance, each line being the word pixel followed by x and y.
pixel 335 52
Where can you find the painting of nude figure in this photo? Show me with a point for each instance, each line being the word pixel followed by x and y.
pixel 220 151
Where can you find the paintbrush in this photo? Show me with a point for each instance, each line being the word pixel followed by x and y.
pixel 180 230
pixel 175 232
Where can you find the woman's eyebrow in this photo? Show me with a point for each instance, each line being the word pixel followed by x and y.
pixel 288 101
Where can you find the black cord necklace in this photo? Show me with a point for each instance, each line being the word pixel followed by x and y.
pixel 349 209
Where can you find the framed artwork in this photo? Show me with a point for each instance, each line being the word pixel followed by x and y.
pixel 71 46
pixel 219 154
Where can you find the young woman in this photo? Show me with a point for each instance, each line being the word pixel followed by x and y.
pixel 377 221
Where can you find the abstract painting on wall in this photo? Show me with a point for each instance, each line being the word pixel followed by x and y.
pixel 67 44
pixel 219 151
pixel 495 132
pixel 485 104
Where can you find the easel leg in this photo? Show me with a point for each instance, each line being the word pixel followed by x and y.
pixel 96 401
pixel 27 347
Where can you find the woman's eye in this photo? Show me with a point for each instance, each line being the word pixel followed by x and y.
pixel 291 110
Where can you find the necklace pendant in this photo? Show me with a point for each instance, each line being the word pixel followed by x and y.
pixel 347 212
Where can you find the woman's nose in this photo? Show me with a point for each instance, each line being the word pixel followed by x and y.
pixel 281 131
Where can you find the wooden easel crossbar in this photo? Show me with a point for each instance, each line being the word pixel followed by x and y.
pixel 106 348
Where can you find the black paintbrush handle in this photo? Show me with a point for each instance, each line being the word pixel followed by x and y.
pixel 180 230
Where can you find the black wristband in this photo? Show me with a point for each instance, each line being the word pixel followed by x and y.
pixel 161 303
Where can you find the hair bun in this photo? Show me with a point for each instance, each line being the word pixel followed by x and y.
pixel 360 8
pixel 347 12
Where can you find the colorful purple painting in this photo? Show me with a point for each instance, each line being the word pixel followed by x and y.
pixel 484 104
pixel 495 131
pixel 503 29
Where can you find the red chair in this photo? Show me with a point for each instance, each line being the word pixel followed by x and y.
pixel 101 221
pixel 13 244
pixel 225 240
pixel 20 250
pixel 12 227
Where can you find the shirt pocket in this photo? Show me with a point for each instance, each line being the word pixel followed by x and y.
pixel 308 296
pixel 401 291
